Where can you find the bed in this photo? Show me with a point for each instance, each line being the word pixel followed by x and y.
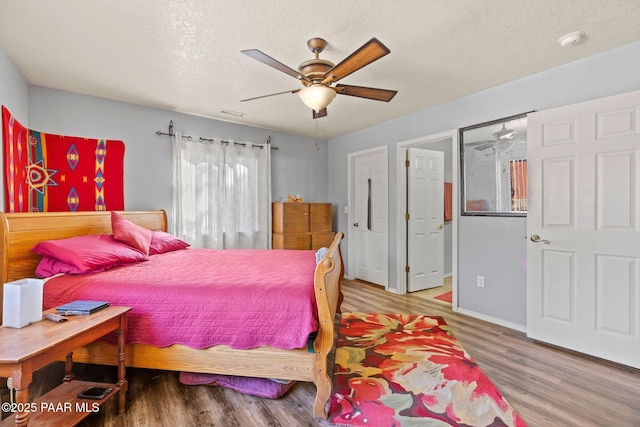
pixel 22 231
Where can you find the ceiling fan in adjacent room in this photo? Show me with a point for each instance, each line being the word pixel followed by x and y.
pixel 319 76
pixel 503 140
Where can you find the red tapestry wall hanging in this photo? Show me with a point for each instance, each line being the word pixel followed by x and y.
pixel 54 173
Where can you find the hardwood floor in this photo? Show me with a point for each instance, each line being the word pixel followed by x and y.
pixel 548 386
pixel 430 294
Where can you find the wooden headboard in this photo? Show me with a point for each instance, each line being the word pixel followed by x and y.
pixel 20 232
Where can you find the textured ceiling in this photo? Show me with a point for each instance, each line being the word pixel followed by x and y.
pixel 185 55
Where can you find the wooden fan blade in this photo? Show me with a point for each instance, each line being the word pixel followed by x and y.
pixel 266 59
pixel 366 92
pixel 369 52
pixel 272 94
pixel 320 113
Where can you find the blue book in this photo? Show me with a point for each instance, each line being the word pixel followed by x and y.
pixel 81 307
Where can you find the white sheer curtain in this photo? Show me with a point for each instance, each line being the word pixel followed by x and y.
pixel 221 193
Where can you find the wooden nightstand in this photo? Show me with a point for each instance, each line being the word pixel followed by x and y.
pixel 30 348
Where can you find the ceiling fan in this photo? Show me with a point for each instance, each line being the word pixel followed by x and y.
pixel 319 76
pixel 503 140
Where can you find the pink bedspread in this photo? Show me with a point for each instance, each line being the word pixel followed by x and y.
pixel 204 297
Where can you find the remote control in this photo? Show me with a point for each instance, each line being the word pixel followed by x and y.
pixel 55 317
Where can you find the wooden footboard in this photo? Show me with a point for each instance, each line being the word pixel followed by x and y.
pixel 328 281
pixel 21 232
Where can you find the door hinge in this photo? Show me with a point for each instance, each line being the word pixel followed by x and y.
pixel 407 216
pixel 406 269
pixel 407 163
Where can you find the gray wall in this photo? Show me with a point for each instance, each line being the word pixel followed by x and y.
pixel 492 247
pixel 14 94
pixel 297 168
pixel 14 89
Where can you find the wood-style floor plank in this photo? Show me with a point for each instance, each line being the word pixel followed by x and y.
pixel 547 385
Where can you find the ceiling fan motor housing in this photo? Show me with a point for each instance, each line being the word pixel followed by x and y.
pixel 315 69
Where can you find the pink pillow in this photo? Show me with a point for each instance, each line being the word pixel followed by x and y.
pixel 89 253
pixel 49 266
pixel 261 387
pixel 162 242
pixel 132 234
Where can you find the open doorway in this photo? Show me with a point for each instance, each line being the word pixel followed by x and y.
pixel 447 142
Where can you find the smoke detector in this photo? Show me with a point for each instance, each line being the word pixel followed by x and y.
pixel 571 38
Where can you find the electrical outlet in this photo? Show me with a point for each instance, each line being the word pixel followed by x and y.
pixel 480 282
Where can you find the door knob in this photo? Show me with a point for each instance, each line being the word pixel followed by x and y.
pixel 356 224
pixel 536 239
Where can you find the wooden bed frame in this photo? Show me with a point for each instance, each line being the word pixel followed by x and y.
pixel 21 231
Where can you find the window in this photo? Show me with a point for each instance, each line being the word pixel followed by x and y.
pixel 221 193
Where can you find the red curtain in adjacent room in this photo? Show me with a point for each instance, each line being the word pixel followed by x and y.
pixel 448 201
pixel 518 170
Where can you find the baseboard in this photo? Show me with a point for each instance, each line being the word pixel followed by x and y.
pixel 491 319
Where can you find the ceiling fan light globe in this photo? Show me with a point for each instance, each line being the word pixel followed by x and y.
pixel 317 96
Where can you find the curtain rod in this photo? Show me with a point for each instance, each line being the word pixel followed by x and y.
pixel 171 133
pixel 242 144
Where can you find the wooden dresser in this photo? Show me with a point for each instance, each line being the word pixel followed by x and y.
pixel 301 225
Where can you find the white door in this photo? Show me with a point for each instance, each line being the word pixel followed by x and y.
pixel 583 250
pixel 371 225
pixel 425 224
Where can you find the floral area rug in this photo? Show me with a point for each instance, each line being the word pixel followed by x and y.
pixel 409 370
